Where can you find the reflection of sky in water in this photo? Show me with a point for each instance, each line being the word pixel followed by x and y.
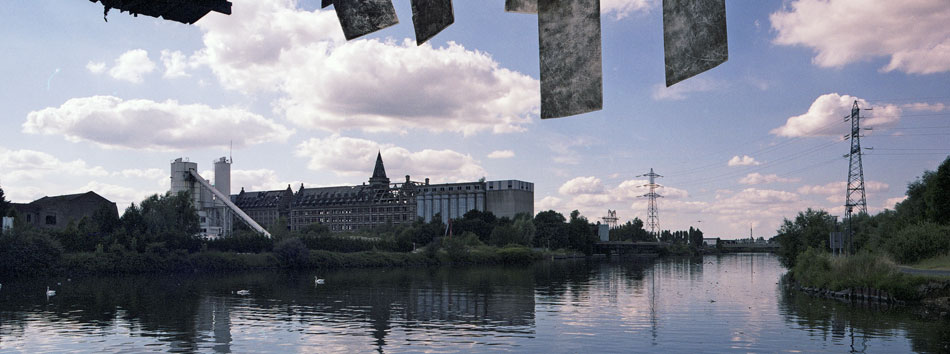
pixel 730 303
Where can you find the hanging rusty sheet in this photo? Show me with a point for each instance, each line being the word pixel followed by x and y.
pixel 569 41
pixel 362 17
pixel 522 6
pixel 694 37
pixel 429 17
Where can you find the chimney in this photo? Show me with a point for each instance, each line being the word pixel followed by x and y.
pixel 427 181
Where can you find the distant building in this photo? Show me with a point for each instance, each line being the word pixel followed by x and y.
pixel 710 242
pixel 380 202
pixel 57 212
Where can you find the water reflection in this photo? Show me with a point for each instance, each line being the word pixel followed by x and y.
pixel 728 303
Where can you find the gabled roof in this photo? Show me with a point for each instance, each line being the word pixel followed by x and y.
pixel 65 198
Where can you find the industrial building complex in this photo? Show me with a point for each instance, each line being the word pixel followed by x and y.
pixel 344 208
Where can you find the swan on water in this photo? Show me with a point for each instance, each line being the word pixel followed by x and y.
pixel 317 280
pixel 50 292
pixel 243 292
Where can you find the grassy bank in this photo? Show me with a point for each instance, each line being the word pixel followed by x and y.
pixel 936 263
pixel 816 269
pixel 90 263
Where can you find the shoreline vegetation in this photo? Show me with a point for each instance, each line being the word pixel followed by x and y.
pixel 899 255
pixel 160 235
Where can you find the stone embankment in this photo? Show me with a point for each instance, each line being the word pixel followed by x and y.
pixel 855 294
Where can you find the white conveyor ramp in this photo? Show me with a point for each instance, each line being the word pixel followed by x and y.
pixel 227 201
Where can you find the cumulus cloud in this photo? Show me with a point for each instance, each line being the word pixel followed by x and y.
pixel 501 154
pixel 96 67
pixel 160 176
pixel 914 34
pixel 324 82
pixel 924 106
pixel 132 65
pixel 24 165
pixel 832 108
pixel 891 203
pixel 582 185
pixel 356 157
pixel 753 205
pixel 745 160
pixel 144 124
pixel 835 191
pixel 679 91
pixel 623 8
pixel 549 203
pixel 757 178
pixel 176 63
pixel 122 196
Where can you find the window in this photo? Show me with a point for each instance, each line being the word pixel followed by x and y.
pixel 51 220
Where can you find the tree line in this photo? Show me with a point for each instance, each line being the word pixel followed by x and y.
pixel 917 228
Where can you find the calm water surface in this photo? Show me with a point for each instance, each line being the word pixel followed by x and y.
pixel 730 303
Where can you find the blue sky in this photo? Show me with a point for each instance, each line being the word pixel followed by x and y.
pixel 104 106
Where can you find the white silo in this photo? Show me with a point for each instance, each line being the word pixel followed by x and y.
pixel 181 179
pixel 222 177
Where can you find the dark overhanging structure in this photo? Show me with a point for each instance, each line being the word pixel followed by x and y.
pixel 184 11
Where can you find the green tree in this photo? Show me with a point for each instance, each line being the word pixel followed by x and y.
pixel 551 231
pixel 695 238
pixel 809 229
pixel 937 194
pixel 4 204
pixel 581 234
pixel 526 229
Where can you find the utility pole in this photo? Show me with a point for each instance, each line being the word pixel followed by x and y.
pixel 653 218
pixel 856 195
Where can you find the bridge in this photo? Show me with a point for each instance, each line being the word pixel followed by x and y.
pixel 627 248
pixel 750 247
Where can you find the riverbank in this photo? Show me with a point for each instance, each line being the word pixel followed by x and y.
pixel 867 277
pixel 180 261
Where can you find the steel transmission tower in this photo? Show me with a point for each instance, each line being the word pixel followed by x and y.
pixel 611 219
pixel 856 195
pixel 653 218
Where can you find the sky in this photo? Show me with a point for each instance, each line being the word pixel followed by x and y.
pixel 105 106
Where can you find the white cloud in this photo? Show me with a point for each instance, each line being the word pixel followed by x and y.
pixel 832 108
pixel 548 203
pixel 914 34
pixel 623 8
pixel 680 90
pixel 122 196
pixel 29 174
pixel 131 65
pixel 356 157
pixel 890 203
pixel 923 106
pixel 501 154
pixel 175 64
pixel 757 178
pixel 323 81
pixel 753 205
pixel 745 160
pixel 582 185
pixel 144 124
pixel 835 191
pixel 96 68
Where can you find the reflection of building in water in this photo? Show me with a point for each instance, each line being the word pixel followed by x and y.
pixel 214 317
pixel 455 305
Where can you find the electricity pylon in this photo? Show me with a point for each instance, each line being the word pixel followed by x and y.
pixel 653 218
pixel 856 195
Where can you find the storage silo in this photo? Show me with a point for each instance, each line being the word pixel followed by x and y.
pixel 222 177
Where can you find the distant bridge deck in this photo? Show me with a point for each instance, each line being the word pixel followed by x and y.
pixel 750 247
pixel 626 247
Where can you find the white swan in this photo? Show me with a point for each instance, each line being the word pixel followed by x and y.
pixel 317 280
pixel 50 292
pixel 243 292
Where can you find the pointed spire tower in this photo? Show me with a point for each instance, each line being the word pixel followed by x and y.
pixel 379 173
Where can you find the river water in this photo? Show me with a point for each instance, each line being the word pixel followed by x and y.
pixel 729 303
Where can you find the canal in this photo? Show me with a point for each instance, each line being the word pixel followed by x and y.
pixel 729 303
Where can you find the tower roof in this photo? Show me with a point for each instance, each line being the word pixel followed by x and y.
pixel 379 172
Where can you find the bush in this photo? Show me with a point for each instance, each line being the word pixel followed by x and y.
pixel 920 241
pixel 29 252
pixel 243 242
pixel 292 253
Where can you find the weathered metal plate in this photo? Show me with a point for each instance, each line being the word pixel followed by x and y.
pixel 362 17
pixel 326 3
pixel 571 73
pixel 522 6
pixel 429 17
pixel 694 37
